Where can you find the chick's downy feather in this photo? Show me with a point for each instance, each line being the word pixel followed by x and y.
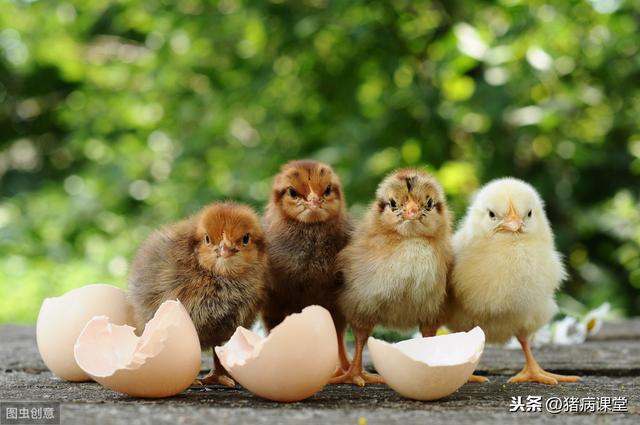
pixel 506 269
pixel 306 226
pixel 213 262
pixel 396 266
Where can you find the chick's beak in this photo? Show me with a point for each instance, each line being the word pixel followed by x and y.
pixel 226 248
pixel 512 221
pixel 313 201
pixel 411 210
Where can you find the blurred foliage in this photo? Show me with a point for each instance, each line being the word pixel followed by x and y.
pixel 117 116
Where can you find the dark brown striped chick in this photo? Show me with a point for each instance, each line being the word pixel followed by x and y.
pixel 306 225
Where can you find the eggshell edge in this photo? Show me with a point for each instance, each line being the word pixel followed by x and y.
pixel 140 380
pixel 69 372
pixel 252 369
pixel 417 380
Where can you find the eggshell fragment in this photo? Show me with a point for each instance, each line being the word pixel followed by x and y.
pixel 62 318
pixel 162 362
pixel 428 368
pixel 294 362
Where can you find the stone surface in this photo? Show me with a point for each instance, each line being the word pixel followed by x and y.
pixel 609 365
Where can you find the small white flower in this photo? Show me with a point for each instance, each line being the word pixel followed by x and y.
pixel 594 319
pixel 568 331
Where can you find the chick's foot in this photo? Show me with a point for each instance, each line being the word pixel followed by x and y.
pixel 339 372
pixel 563 378
pixel 356 374
pixel 214 378
pixel 533 372
pixel 478 379
pixel 537 374
pixel 359 378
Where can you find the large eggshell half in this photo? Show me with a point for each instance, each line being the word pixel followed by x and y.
pixel 61 320
pixel 428 368
pixel 294 362
pixel 162 362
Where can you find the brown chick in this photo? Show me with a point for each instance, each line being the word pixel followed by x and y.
pixel 396 266
pixel 214 263
pixel 305 226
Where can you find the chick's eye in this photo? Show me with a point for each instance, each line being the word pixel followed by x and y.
pixel 492 214
pixel 429 204
pixel 246 239
pixel 327 191
pixel 529 213
pixel 207 240
pixel 392 202
pixel 293 193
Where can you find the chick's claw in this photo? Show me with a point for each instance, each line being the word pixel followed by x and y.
pixel 372 378
pixel 339 372
pixel 562 378
pixel 358 378
pixel 478 379
pixel 533 372
pixel 527 375
pixel 541 376
pixel 216 379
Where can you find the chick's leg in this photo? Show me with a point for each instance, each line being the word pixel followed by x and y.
pixel 533 372
pixel 428 330
pixel 342 349
pixel 218 375
pixel 356 374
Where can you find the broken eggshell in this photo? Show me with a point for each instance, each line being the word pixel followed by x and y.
pixel 428 368
pixel 162 362
pixel 61 319
pixel 294 362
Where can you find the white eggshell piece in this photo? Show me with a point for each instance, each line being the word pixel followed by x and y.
pixel 61 320
pixel 162 362
pixel 294 362
pixel 428 368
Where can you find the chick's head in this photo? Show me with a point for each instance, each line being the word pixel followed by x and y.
pixel 507 208
pixel 412 203
pixel 308 191
pixel 229 239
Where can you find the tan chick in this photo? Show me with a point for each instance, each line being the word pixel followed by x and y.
pixel 506 271
pixel 396 266
pixel 305 226
pixel 214 263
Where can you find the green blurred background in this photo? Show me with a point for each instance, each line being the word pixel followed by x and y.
pixel 117 116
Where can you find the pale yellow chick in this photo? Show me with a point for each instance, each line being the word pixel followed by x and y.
pixel 506 271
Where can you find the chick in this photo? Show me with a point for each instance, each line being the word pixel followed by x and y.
pixel 305 226
pixel 214 263
pixel 396 266
pixel 506 270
